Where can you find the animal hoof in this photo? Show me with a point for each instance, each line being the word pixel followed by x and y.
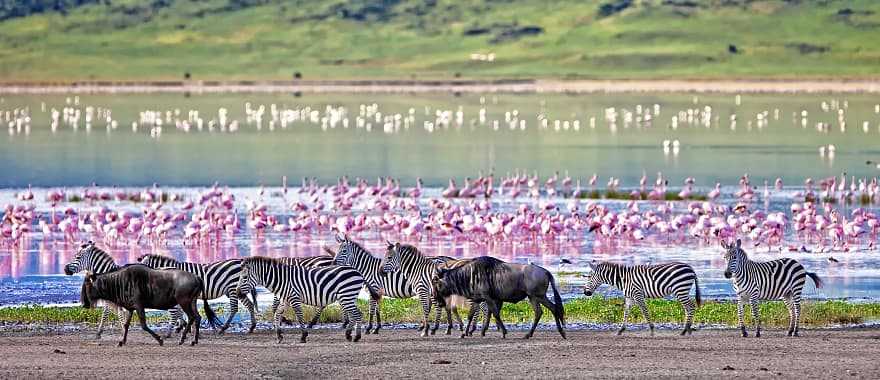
pixel 119 344
pixel 193 343
pixel 357 338
pixel 347 337
pixel 302 339
pixel 745 334
pixel 527 336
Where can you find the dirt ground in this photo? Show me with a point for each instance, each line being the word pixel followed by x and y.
pixel 401 353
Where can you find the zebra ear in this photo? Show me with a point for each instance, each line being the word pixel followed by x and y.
pixel 724 244
pixel 339 238
pixel 738 243
pixel 390 244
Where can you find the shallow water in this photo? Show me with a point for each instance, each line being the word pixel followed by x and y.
pixel 433 145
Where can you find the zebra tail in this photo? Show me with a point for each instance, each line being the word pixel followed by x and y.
pixel 816 279
pixel 374 293
pixel 209 313
pixel 697 291
pixel 557 300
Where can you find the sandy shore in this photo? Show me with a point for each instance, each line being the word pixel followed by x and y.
pixel 452 86
pixel 707 354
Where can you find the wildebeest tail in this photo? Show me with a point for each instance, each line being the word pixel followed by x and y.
pixel 697 291
pixel 209 313
pixel 557 300
pixel 816 279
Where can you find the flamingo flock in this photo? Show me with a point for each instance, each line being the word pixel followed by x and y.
pixel 835 214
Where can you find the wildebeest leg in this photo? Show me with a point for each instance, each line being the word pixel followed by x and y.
pixel 198 322
pixel 191 316
pixel 496 311
pixel 536 306
pixel 143 319
pixel 627 303
pixel 125 326
pixel 550 306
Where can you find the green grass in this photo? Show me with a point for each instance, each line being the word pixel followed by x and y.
pixel 590 310
pixel 643 195
pixel 415 39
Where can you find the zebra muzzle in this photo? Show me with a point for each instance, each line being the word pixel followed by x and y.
pixel 727 274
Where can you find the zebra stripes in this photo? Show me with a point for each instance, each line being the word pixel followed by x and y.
pixel 647 281
pixel 772 280
pixel 306 262
pixel 297 285
pixel 92 259
pixel 220 279
pixel 394 284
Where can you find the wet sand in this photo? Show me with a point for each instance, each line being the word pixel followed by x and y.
pixel 401 353
pixel 865 85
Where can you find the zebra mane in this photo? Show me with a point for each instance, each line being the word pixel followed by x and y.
pixel 359 247
pixel 260 260
pixel 158 257
pixel 411 251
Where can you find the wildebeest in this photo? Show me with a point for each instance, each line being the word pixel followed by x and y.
pixel 487 279
pixel 137 287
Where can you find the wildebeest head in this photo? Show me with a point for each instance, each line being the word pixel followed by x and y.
pixel 391 262
pixel 80 260
pixel 734 256
pixel 440 283
pixel 89 294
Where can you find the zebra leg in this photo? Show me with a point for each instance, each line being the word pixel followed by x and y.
pixel 371 312
pixel 275 303
pixel 483 313
pixel 486 323
pixel 688 307
pixel 644 308
pixel 378 317
pixel 788 305
pixel 437 317
pixel 753 300
pixel 627 303
pixel 125 326
pixel 470 319
pixel 297 309
pixel 233 310
pixel 251 308
pixel 104 315
pixel 425 298
pixel 740 304
pixel 356 318
pixel 174 321
pixel 797 315
pixel 536 306
pixel 318 312
pixel 279 311
pixel 143 319
pixel 177 319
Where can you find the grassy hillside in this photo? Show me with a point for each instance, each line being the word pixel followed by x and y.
pixel 42 40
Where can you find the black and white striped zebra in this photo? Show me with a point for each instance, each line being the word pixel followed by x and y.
pixel 92 259
pixel 419 270
pixel 394 285
pixel 220 279
pixel 772 280
pixel 647 281
pixel 306 262
pixel 296 285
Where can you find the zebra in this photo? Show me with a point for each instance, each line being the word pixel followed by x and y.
pixel 306 262
pixel 778 279
pixel 297 285
pixel 419 270
pixel 647 281
pixel 220 278
pixel 92 259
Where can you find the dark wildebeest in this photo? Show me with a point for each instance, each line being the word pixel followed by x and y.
pixel 137 287
pixel 487 279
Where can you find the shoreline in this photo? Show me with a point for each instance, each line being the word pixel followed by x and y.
pixel 524 86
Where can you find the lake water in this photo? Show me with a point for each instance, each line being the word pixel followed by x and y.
pixel 433 137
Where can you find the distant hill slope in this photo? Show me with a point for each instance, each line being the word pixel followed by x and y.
pixel 45 40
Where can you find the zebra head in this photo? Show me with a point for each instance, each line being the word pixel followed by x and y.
pixel 595 278
pixel 157 261
pixel 734 256
pixel 83 259
pixel 345 254
pixel 253 271
pixel 391 263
